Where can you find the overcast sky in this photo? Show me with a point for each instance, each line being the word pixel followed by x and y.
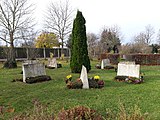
pixel 130 15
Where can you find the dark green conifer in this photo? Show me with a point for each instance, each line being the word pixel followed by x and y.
pixel 79 51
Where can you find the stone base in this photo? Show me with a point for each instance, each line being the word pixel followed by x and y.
pixel 36 79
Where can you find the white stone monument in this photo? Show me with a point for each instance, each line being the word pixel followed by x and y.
pixel 84 77
pixel 128 69
pixel 52 62
pixel 33 70
pixel 104 63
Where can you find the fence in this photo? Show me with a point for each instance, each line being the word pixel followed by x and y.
pixel 35 52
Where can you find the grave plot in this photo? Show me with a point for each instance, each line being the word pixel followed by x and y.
pixel 52 63
pixel 105 64
pixel 84 82
pixel 129 72
pixel 34 72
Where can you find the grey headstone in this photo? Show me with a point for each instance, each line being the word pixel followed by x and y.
pixel 33 70
pixel 104 63
pixel 52 62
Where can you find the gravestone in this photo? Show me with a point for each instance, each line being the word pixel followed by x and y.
pixel 84 77
pixel 52 62
pixel 104 63
pixel 124 57
pixel 31 61
pixel 33 70
pixel 128 69
pixel 128 62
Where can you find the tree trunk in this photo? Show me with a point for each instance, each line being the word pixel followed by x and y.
pixel 11 57
pixel 62 51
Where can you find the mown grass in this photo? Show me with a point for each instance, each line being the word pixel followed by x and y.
pixel 20 96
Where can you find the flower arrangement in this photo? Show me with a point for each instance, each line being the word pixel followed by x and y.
pixel 94 82
pixel 69 77
pixel 130 79
pixel 96 78
pixel 73 84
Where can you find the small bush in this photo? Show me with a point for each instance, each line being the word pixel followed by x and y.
pixel 79 113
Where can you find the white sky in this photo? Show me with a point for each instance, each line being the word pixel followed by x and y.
pixel 130 15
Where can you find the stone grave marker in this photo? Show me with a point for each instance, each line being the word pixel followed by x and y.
pixel 124 57
pixel 128 62
pixel 52 62
pixel 84 78
pixel 33 70
pixel 128 69
pixel 104 63
pixel 31 61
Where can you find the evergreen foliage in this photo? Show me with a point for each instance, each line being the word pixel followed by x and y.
pixel 79 51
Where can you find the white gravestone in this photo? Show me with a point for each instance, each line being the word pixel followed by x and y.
pixel 33 70
pixel 128 69
pixel 52 62
pixel 129 62
pixel 104 63
pixel 84 77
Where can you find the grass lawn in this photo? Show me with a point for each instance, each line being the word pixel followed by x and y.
pixel 20 96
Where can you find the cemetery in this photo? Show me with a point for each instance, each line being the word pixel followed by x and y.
pixel 19 95
pixel 88 80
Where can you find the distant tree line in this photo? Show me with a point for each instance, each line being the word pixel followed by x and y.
pixel 17 27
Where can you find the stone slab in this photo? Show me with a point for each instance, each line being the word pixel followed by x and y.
pixel 128 69
pixel 33 70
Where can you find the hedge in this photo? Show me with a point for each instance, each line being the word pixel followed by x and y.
pixel 142 59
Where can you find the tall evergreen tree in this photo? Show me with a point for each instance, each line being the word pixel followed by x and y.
pixel 79 51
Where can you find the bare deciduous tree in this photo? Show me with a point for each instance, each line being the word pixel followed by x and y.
pixel 149 32
pixel 92 41
pixel 140 38
pixel 14 16
pixel 158 37
pixel 59 19
pixel 145 37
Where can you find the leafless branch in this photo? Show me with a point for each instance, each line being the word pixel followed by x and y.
pixel 59 19
pixel 15 15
